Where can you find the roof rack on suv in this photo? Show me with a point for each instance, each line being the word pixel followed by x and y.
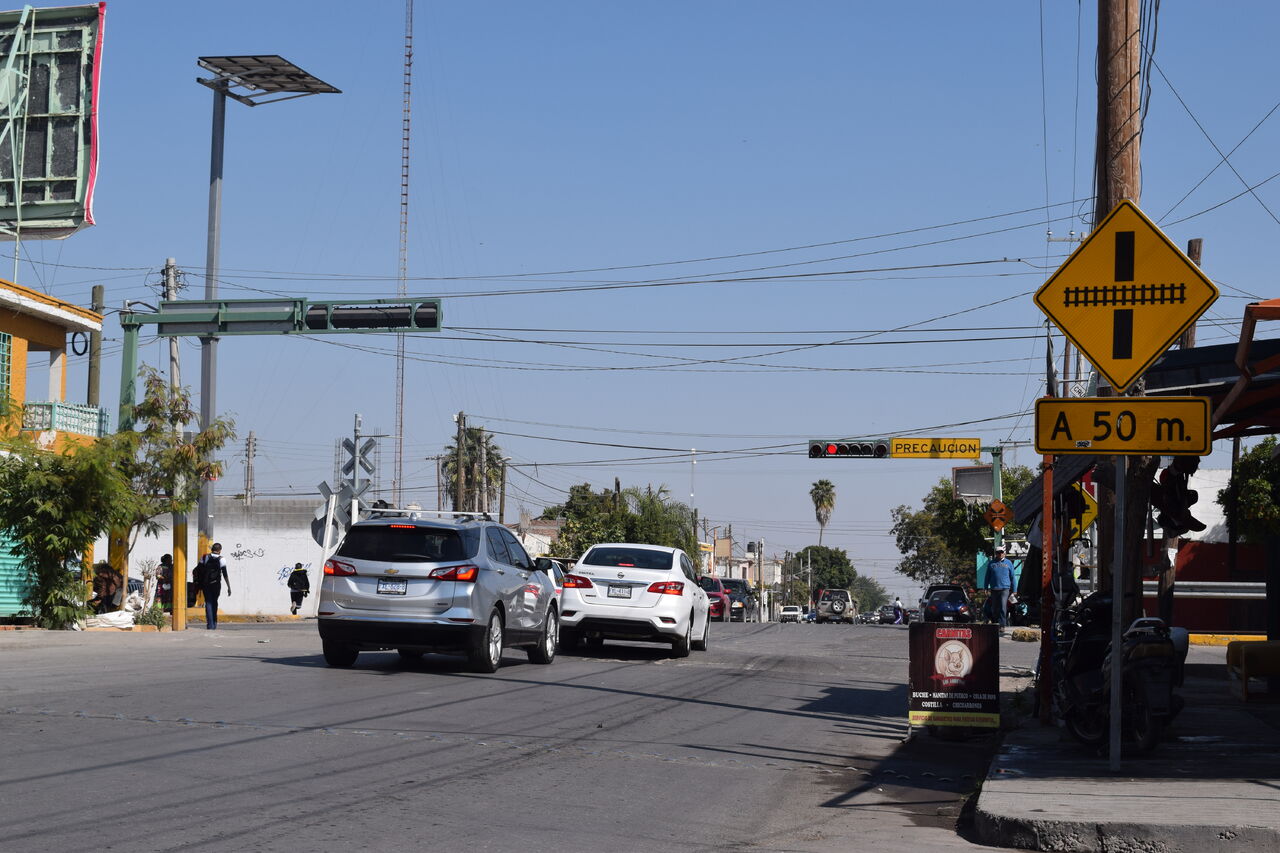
pixel 397 512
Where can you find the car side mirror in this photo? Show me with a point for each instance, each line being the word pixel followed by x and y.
pixel 542 564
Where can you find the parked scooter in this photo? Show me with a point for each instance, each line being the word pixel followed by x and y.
pixel 1152 658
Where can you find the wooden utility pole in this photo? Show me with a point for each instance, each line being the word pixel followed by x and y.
pixel 1118 170
pixel 178 583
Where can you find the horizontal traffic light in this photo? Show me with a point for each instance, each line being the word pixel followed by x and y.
pixel 871 449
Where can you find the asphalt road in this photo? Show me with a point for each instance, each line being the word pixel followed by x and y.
pixel 780 737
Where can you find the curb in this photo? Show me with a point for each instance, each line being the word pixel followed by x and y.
pixel 1109 836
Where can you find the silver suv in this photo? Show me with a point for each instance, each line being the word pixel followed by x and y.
pixel 414 582
pixel 836 605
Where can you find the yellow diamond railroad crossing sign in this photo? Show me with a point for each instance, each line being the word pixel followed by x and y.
pixel 1125 295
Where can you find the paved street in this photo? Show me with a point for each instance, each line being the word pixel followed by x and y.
pixel 781 737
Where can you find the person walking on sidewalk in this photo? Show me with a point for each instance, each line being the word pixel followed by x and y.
pixel 1000 583
pixel 210 574
pixel 299 586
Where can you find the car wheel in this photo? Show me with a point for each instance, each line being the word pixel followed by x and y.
pixel 486 648
pixel 409 655
pixel 701 645
pixel 545 651
pixel 338 654
pixel 680 648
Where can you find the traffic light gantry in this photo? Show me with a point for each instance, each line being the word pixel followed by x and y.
pixel 849 449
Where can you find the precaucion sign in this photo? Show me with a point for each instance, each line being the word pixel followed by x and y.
pixel 1124 426
pixel 935 448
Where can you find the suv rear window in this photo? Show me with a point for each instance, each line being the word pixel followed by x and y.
pixel 408 544
pixel 709 584
pixel 738 585
pixel 637 558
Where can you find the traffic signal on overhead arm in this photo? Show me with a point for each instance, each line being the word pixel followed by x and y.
pixel 864 449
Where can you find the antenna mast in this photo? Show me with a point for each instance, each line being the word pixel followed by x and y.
pixel 397 484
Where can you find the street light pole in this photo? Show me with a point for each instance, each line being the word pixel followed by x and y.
pixel 209 345
pixel 251 80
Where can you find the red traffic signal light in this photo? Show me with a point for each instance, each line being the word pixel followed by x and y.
pixel 863 449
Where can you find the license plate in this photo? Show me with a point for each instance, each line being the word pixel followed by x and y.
pixel 387 586
pixel 619 592
pixel 948 618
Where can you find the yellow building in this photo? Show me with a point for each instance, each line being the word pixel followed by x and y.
pixel 35 330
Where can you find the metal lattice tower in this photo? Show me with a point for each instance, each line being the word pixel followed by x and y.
pixel 397 484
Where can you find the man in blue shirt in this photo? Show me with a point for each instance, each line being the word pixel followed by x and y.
pixel 1000 582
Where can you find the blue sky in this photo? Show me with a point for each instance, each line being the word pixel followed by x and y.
pixel 920 151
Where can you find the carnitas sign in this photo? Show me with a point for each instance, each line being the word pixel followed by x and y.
pixel 954 675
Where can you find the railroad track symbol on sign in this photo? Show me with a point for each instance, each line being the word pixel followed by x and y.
pixel 1125 295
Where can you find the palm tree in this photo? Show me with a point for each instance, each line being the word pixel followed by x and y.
pixel 823 494
pixel 479 488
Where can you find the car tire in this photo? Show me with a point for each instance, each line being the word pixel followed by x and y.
pixel 485 653
pixel 338 654
pixel 680 648
pixel 701 645
pixel 545 651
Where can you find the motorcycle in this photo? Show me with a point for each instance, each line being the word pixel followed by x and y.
pixel 1152 659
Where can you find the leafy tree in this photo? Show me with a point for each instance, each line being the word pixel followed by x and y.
pixel 869 593
pixel 1256 478
pixel 823 495
pixel 165 468
pixel 832 568
pixel 479 487
pixel 54 505
pixel 939 542
pixel 646 516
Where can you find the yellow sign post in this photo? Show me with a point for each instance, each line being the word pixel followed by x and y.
pixel 935 448
pixel 1125 295
pixel 1124 426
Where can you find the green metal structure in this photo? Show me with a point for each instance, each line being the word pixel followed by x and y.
pixel 218 317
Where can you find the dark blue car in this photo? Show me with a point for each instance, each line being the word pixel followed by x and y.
pixel 947 603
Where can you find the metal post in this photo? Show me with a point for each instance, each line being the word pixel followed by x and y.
pixel 178 584
pixel 95 348
pixel 1117 592
pixel 997 489
pixel 209 345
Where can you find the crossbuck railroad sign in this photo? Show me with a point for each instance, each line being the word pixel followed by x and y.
pixel 1125 295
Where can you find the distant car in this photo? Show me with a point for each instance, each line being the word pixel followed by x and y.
pixel 836 605
pixel 887 616
pixel 946 602
pixel 790 613
pixel 914 615
pixel 810 615
pixel 871 616
pixel 744 606
pixel 628 591
pixel 718 599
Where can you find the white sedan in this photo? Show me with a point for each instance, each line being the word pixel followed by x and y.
pixel 625 591
pixel 790 613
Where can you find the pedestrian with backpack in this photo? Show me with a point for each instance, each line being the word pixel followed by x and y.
pixel 299 587
pixel 209 575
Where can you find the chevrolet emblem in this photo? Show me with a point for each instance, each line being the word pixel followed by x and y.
pixel 393 571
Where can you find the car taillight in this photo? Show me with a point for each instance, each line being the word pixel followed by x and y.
pixel 466 574
pixel 963 608
pixel 577 582
pixel 338 569
pixel 667 587
pixel 932 608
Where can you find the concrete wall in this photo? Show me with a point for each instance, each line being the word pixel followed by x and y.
pixel 260 544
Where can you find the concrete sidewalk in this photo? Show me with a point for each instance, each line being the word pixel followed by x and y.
pixel 1212 784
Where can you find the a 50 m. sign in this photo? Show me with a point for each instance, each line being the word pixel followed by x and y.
pixel 1124 426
